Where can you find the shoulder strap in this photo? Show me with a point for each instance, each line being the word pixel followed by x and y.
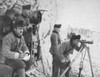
pixel 67 50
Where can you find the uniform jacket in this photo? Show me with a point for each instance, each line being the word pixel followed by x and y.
pixel 5 23
pixel 55 42
pixel 26 18
pixel 64 49
pixel 11 44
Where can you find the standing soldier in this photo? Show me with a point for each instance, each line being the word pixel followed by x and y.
pixel 26 10
pixel 55 42
pixel 25 13
pixel 28 26
pixel 14 48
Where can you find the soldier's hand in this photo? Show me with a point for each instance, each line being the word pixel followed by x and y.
pixel 83 45
pixel 20 51
pixel 26 57
pixel 63 61
pixel 67 61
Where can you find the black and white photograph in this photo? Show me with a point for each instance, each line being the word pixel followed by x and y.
pixel 49 38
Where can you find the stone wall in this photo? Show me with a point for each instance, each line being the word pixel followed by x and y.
pixel 48 20
pixel 49 16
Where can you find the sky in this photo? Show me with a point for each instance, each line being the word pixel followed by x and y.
pixel 79 13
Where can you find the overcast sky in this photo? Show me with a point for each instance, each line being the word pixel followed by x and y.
pixel 79 13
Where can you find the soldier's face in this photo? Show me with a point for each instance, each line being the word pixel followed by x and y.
pixel 76 41
pixel 57 29
pixel 19 30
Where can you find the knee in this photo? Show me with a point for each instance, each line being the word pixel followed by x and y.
pixel 6 69
pixel 9 70
pixel 22 64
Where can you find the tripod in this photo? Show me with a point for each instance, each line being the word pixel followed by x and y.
pixel 81 63
pixel 82 60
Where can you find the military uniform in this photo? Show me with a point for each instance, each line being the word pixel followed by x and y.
pixel 5 71
pixel 55 42
pixel 24 15
pixel 5 27
pixel 64 50
pixel 26 18
pixel 10 47
pixel 26 34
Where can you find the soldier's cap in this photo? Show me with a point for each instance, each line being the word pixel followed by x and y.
pixel 10 11
pixel 74 37
pixel 19 22
pixel 26 7
pixel 57 25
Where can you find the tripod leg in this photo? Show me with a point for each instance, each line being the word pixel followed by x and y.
pixel 81 62
pixel 71 62
pixel 81 65
pixel 80 69
pixel 90 61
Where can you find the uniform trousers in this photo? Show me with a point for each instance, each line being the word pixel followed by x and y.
pixel 15 64
pixel 5 71
pixel 57 65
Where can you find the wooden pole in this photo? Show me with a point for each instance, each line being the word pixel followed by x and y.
pixel 90 61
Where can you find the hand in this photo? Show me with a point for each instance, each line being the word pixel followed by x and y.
pixel 29 26
pixel 66 60
pixel 20 51
pixel 63 61
pixel 26 57
pixel 27 53
pixel 83 45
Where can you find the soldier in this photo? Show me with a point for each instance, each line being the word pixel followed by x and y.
pixel 25 13
pixel 6 22
pixel 64 50
pixel 14 48
pixel 5 71
pixel 55 43
pixel 26 10
pixel 27 31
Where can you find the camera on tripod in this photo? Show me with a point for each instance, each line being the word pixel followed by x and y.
pixel 86 42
